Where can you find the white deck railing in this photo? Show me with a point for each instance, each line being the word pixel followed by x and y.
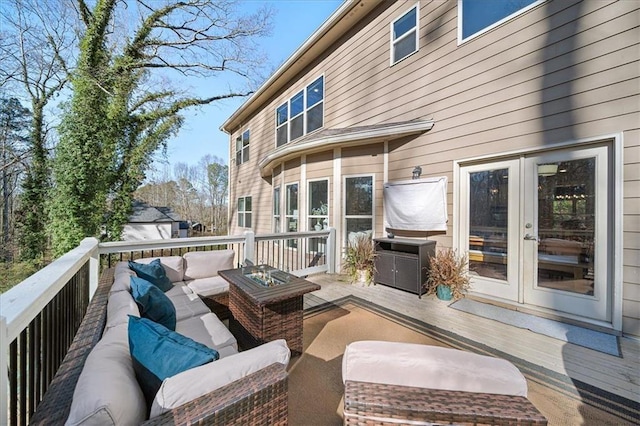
pixel 76 274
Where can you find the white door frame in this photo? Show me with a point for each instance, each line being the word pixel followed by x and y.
pixel 616 215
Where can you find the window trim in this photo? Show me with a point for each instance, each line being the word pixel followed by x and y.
pixel 244 212
pixel 304 113
pixel 345 240
pixel 242 149
pixel 492 26
pixel 393 42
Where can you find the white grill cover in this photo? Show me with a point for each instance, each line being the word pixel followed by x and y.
pixel 416 205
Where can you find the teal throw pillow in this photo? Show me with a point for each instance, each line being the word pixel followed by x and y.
pixel 153 303
pixel 158 353
pixel 153 272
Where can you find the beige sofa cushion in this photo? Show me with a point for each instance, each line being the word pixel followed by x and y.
pixel 204 264
pixel 209 286
pixel 107 392
pixel 122 278
pixel 173 266
pixel 199 381
pixel 431 367
pixel 186 302
pixel 210 331
pixel 121 304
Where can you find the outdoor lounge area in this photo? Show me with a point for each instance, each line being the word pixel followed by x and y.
pixel 567 384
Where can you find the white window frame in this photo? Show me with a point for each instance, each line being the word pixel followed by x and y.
pixel 415 31
pixel 244 212
pixel 492 26
pixel 242 152
pixel 305 111
pixel 324 219
pixel 372 216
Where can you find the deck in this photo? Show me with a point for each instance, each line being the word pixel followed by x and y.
pixel 620 376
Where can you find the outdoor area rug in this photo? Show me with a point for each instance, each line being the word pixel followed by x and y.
pixel 315 377
pixel 591 339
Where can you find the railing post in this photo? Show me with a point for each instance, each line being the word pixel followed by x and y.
pixel 94 265
pixel 4 371
pixel 249 246
pixel 331 251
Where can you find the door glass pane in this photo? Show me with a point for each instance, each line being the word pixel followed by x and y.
pixel 566 225
pixel 488 213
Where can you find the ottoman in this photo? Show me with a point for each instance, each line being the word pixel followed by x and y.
pixel 394 383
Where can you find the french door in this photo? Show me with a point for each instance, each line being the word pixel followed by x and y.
pixel 536 227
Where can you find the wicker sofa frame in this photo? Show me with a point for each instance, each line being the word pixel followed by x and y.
pixel 384 404
pixel 259 398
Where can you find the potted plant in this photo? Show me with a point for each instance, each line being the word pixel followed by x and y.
pixel 447 275
pixel 359 260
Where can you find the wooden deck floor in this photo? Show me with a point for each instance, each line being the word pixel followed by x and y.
pixel 620 376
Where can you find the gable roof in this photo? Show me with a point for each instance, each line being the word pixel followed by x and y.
pixel 144 213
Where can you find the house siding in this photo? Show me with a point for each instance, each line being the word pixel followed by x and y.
pixel 562 72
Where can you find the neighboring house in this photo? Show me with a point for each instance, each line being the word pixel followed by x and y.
pixel 532 114
pixel 153 223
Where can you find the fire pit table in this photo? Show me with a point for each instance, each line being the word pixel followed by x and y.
pixel 266 304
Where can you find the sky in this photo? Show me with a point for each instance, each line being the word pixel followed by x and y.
pixel 293 23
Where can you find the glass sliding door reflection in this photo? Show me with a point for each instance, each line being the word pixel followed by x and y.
pixel 488 213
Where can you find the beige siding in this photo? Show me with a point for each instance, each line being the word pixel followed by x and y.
pixel 562 72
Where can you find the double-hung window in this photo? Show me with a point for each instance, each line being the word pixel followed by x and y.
pixel 318 213
pixel 276 209
pixel 291 212
pixel 242 148
pixel 475 17
pixel 301 114
pixel 244 212
pixel 404 35
pixel 358 206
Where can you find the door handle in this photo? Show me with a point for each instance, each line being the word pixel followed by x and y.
pixel 530 237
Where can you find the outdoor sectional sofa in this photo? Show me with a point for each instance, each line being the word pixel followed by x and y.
pixel 96 383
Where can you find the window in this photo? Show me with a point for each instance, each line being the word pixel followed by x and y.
pixel 276 209
pixel 318 205
pixel 291 212
pixel 404 35
pixel 301 114
pixel 242 148
pixel 358 206
pixel 476 18
pixel 244 212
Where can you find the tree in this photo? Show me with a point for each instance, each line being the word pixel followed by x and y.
pixel 218 177
pixel 14 131
pixel 119 115
pixel 35 45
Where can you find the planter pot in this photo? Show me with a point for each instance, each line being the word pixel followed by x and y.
pixel 318 227
pixel 362 280
pixel 443 292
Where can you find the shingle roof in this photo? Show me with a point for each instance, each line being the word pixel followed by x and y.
pixel 144 213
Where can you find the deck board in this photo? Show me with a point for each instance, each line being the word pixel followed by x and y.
pixel 620 376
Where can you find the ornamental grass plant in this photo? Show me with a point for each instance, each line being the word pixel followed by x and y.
pixel 448 268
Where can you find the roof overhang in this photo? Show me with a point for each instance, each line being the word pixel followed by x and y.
pixel 344 18
pixel 327 139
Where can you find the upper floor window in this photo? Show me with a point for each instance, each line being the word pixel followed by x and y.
pixel 301 114
pixel 242 148
pixel 476 18
pixel 244 212
pixel 404 35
